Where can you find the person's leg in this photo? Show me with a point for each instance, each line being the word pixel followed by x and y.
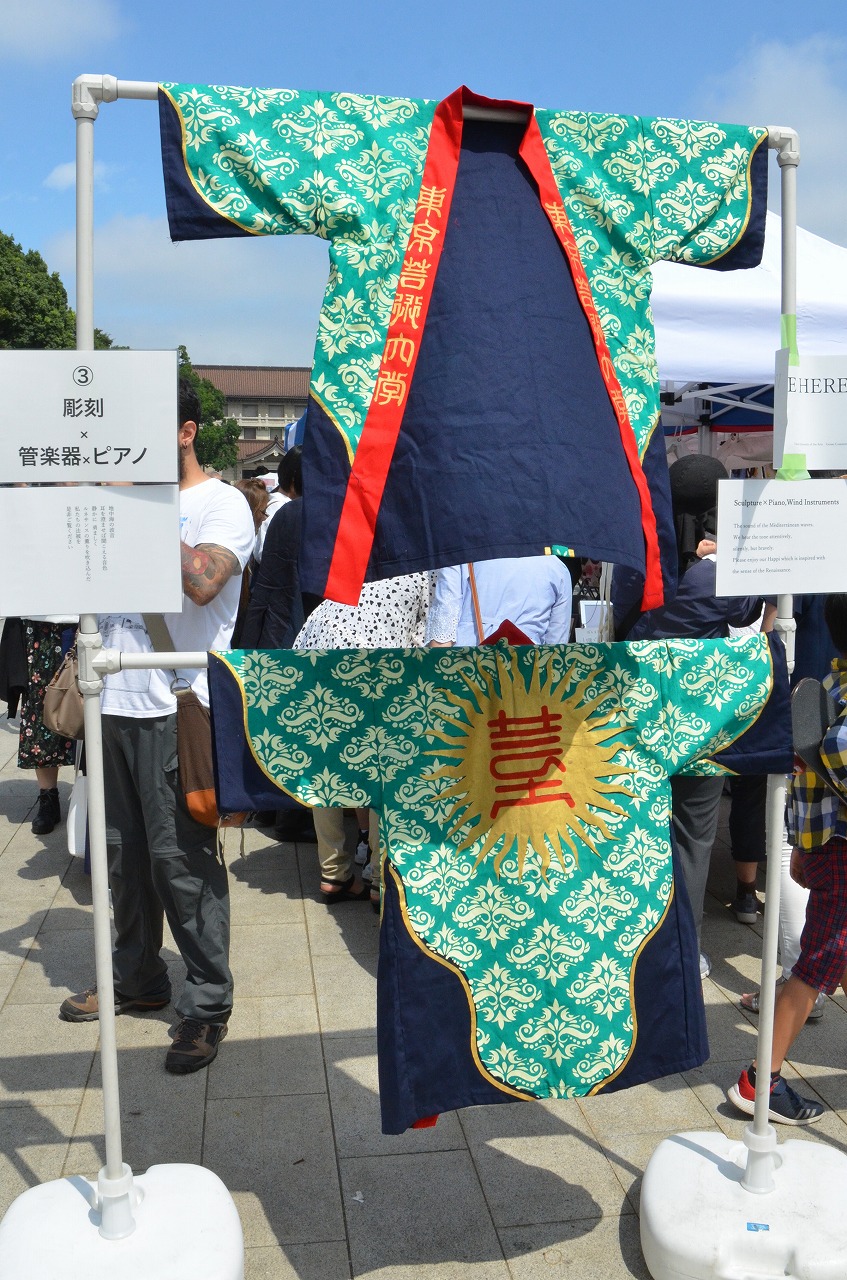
pixel 695 805
pixel 747 841
pixel 335 862
pixel 794 1003
pixel 139 972
pixel 376 859
pixel 38 748
pixel 190 880
pixel 793 900
pixel 139 969
pixel 820 968
pixel 338 874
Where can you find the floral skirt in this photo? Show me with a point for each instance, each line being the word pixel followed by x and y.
pixel 38 748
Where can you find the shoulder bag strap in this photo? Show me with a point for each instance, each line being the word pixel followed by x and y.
pixel 476 609
pixel 157 630
pixel 160 639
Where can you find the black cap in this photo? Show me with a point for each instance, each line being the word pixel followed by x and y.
pixel 694 484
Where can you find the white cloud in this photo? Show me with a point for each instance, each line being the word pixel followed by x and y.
pixel 64 175
pixel 803 86
pixel 248 300
pixel 37 30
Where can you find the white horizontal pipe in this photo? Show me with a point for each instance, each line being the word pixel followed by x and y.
pixel 108 661
pixel 145 89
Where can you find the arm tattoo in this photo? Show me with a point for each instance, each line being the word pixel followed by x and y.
pixel 206 569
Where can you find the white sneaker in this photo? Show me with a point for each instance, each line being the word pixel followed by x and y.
pixel 705 965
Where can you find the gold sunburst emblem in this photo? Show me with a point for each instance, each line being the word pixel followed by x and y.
pixel 532 763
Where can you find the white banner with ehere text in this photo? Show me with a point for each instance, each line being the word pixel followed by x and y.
pixel 810 410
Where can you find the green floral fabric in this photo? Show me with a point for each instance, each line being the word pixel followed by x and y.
pixel 524 805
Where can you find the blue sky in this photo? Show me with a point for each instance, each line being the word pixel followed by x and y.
pixel 257 301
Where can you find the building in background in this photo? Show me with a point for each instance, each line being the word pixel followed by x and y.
pixel 263 399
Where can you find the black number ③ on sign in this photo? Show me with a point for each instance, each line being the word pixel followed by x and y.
pixel 83 375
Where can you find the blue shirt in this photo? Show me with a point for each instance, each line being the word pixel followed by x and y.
pixel 533 592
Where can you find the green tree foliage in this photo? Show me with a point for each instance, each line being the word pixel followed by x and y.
pixel 34 311
pixel 217 439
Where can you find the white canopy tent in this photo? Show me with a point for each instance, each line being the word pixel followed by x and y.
pixel 723 327
pixel 720 330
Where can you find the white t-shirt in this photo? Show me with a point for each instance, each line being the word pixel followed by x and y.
pixel 211 512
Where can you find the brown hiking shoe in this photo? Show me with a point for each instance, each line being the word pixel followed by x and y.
pixel 194 1046
pixel 85 1007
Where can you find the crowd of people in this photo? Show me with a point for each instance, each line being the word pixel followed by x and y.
pixel 240 550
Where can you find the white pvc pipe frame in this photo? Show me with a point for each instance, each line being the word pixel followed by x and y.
pixel 89 91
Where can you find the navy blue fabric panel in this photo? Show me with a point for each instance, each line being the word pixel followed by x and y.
pixel 189 217
pixel 424 1030
pixel 748 251
pixel 326 468
pixel 767 746
pixel 509 443
pixel 670 1018
pixel 239 782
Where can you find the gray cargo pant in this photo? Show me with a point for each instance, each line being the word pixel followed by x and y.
pixel 162 861
pixel 695 809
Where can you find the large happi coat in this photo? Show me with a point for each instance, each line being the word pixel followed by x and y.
pixel 535 942
pixel 484 381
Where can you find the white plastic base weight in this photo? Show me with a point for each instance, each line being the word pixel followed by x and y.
pixel 698 1222
pixel 186 1224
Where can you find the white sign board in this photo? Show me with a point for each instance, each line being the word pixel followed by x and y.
pixel 779 537
pixel 810 410
pixel 88 417
pixel 90 549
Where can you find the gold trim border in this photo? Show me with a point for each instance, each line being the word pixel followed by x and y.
pixel 351 452
pixel 204 198
pixel 746 727
pixel 743 231
pixel 221 657
pixel 523 1095
pixel 598 1088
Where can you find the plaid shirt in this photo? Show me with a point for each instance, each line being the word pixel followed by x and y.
pixel 814 814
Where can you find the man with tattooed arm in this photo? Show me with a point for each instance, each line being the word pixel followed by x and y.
pixel 162 862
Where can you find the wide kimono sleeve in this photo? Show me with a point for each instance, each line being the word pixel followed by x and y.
pixel 725 707
pixel 295 725
pixel 243 161
pixel 707 191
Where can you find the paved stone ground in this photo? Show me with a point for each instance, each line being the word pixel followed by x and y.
pixel 288 1114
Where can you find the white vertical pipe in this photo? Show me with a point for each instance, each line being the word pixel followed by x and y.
pixel 85 233
pixel 89 644
pixel 85 108
pixel 760 1136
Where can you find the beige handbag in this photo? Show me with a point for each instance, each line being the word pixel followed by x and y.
pixel 63 701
